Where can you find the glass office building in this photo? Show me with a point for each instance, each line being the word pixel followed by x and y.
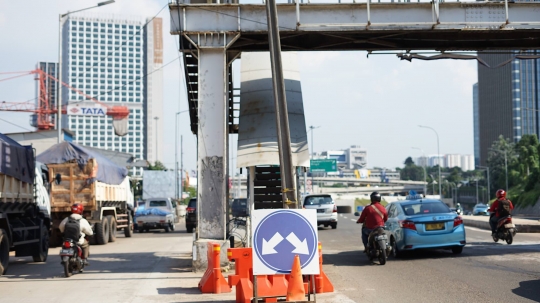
pixel 107 58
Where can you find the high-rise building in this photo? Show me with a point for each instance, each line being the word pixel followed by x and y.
pixel 508 99
pixel 453 160
pixel 467 162
pixel 476 124
pixel 117 61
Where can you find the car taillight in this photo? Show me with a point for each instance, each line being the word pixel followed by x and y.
pixel 190 210
pixel 458 221
pixel 67 244
pixel 407 224
pixel 335 209
pixel 161 221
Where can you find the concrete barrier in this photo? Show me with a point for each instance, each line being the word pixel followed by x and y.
pixel 344 209
pixel 522 225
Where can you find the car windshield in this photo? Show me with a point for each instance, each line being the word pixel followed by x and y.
pixel 318 200
pixel 481 206
pixel 192 203
pixel 422 208
pixel 158 204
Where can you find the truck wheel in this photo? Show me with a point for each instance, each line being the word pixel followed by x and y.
pixel 171 226
pixel 4 252
pixel 112 228
pixel 167 228
pixel 128 231
pixel 102 232
pixel 41 249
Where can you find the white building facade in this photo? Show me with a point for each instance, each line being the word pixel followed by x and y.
pixel 106 57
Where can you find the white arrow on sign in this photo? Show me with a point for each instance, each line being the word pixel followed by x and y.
pixel 301 247
pixel 268 246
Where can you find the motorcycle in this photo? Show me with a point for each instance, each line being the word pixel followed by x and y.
pixel 378 247
pixel 506 230
pixel 71 255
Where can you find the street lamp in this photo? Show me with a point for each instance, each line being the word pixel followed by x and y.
pixel 156 119
pixel 59 88
pixel 488 183
pixel 178 193
pixel 505 163
pixel 311 128
pixel 438 156
pixel 423 166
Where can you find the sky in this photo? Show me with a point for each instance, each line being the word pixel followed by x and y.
pixel 376 102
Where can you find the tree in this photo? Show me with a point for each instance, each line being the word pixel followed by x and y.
pixel 496 164
pixel 409 162
pixel 411 171
pixel 527 149
pixel 157 166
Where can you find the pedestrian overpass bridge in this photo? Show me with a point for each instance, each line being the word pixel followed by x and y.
pixel 213 35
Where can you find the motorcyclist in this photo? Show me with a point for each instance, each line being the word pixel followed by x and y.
pixel 86 230
pixel 498 210
pixel 459 209
pixel 373 216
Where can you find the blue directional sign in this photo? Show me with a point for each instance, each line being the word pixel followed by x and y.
pixel 279 235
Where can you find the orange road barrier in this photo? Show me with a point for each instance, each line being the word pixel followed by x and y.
pixel 267 285
pixel 213 281
pixel 295 289
pixel 243 264
pixel 322 283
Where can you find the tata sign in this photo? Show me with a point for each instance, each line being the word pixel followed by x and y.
pixel 86 110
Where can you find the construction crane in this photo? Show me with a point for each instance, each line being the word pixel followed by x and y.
pixel 42 109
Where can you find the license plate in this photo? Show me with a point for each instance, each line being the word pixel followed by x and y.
pixel 509 225
pixel 435 226
pixel 320 210
pixel 66 251
pixel 383 237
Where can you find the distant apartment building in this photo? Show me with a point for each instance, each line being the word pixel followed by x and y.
pixel 117 61
pixel 354 157
pixel 465 162
pixel 508 99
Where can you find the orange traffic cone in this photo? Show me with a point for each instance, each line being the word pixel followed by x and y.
pixel 295 290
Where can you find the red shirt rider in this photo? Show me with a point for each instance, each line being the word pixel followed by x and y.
pixel 371 217
pixel 501 194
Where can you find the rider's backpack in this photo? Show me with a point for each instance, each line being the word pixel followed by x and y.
pixel 72 229
pixel 503 208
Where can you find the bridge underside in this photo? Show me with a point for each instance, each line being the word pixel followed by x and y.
pixel 392 40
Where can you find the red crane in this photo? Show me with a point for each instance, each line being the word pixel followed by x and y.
pixel 42 110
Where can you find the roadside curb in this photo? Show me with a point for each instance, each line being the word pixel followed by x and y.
pixel 521 228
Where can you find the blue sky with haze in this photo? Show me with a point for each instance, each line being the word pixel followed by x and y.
pixel 375 102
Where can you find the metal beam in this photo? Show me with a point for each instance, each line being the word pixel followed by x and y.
pixel 387 26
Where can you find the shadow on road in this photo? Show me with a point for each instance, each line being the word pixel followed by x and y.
pixel 179 291
pixel 529 290
pixel 123 263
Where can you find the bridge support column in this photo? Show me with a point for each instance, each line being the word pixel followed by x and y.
pixel 212 139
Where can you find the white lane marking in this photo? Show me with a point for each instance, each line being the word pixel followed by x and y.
pixel 345 217
pixel 353 220
pixel 478 229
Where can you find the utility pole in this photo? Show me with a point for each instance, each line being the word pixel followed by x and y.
pixel 280 99
pixel 181 167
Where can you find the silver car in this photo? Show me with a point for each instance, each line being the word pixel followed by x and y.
pixel 326 209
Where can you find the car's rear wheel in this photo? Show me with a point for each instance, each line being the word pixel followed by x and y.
pixel 334 225
pixel 457 250
pixel 189 229
pixel 395 253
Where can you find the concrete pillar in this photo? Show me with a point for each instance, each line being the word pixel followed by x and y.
pixel 212 144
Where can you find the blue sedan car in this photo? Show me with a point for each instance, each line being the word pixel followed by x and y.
pixel 480 210
pixel 418 223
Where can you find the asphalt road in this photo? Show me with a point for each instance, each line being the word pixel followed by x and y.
pixel 485 272
pixel 156 267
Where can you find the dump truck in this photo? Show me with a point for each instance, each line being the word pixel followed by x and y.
pixel 24 206
pixel 83 176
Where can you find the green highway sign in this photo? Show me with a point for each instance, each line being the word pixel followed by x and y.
pixel 323 165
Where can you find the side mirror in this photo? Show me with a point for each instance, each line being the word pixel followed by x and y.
pixel 357 214
pixel 57 179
